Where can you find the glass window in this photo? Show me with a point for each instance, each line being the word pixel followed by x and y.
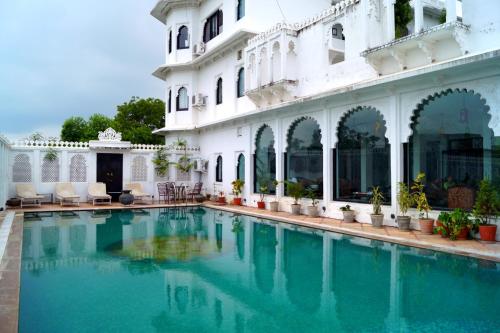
pixel 362 156
pixel 183 38
pixel 170 41
pixel 240 84
pixel 264 159
pixel 213 26
pixel 218 92
pixel 182 99
pixel 240 168
pixel 218 170
pixel 454 146
pixel 304 155
pixel 240 10
pixel 169 106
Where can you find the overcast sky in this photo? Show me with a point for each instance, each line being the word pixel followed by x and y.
pixel 60 58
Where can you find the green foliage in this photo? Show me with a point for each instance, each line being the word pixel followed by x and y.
pixel 376 200
pixel 137 119
pixel 237 186
pixel 405 200
pixel 50 155
pixel 74 129
pixel 263 189
pixel 161 163
pixel 454 222
pixel 346 208
pixel 486 207
pixel 442 16
pixel 184 163
pixel 37 136
pixel 311 194
pixel 97 123
pixel 419 197
pixel 403 15
pixel 237 224
pixel 295 190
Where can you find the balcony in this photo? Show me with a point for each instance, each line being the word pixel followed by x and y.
pixel 439 43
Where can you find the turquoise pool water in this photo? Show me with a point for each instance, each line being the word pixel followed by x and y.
pixel 202 270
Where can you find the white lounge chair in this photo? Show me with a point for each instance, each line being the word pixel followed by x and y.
pixel 138 192
pixel 28 196
pixel 66 195
pixel 97 194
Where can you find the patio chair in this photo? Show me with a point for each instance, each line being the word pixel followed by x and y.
pixel 138 192
pixel 97 194
pixel 195 191
pixel 171 193
pixel 28 196
pixel 66 194
pixel 162 191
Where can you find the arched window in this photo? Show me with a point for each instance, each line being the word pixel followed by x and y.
pixel 240 9
pixel 336 50
pixel 264 159
pixel 183 38
pixel 240 167
pixel 304 155
pixel 169 106
pixel 276 62
pixel 182 99
pixel 218 169
pixel 170 41
pixel 78 169
pixel 263 70
pixel 362 156
pixel 454 146
pixel 240 83
pixel 21 169
pixel 50 170
pixel 218 92
pixel 213 26
pixel 139 169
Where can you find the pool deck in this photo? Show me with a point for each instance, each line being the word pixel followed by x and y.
pixel 11 234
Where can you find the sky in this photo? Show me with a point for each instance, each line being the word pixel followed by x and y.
pixel 63 58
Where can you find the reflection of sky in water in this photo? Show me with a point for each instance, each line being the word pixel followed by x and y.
pixel 206 271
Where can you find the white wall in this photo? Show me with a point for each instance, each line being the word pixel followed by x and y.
pixel 4 170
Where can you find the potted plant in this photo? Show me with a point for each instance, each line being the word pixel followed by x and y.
pixel 263 189
pixel 456 224
pixel 348 213
pixel 161 163
pixel 405 201
pixel 486 210
pixel 376 201
pixel 420 199
pixel 312 210
pixel 274 205
pixel 222 198
pixel 237 189
pixel 296 191
pixel 442 224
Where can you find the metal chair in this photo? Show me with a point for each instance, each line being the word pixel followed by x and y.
pixel 171 192
pixel 162 191
pixel 195 191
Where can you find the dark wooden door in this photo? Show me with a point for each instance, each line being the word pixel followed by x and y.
pixel 110 172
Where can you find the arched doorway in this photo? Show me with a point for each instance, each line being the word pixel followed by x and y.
pixel 264 159
pixel 240 167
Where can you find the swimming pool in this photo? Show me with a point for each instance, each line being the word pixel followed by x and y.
pixel 204 270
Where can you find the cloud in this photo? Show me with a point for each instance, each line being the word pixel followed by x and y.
pixel 62 58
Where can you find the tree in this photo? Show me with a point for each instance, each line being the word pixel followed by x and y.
pixel 97 123
pixel 137 119
pixel 403 16
pixel 74 129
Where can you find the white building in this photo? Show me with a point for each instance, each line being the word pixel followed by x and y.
pixel 336 101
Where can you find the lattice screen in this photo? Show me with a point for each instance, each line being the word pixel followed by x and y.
pixel 50 170
pixel 21 169
pixel 139 169
pixel 182 176
pixel 78 169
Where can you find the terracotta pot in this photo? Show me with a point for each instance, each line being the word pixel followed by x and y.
pixel 444 235
pixel 295 209
pixel 426 226
pixel 348 216
pixel 312 211
pixel 273 206
pixel 403 223
pixel 221 200
pixel 377 220
pixel 463 234
pixel 261 204
pixel 237 201
pixel 488 232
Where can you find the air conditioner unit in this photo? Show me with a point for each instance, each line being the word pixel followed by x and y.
pixel 199 49
pixel 198 100
pixel 200 165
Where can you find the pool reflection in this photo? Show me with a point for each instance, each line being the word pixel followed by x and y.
pixel 205 270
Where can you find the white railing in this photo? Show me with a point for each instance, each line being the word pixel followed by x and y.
pixel 85 145
pixel 4 170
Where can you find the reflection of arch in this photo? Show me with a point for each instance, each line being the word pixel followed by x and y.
pixel 264 159
pixel 78 169
pixel 304 154
pixel 276 62
pixel 21 169
pixel 218 169
pixel 362 155
pixel 139 169
pixel 240 167
pixel 77 235
pixel 264 256
pixel 452 143
pixel 303 258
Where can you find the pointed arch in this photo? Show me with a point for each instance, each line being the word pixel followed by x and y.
pixel 264 159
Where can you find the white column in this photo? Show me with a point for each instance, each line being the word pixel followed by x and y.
pixel 64 240
pixel 36 240
pixel 327 157
pixel 391 23
pixel 451 10
pixel 394 135
pixel 327 271
pixel 279 285
pixel 64 166
pixel 127 235
pixel 91 238
pixel 419 15
pixel 279 149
